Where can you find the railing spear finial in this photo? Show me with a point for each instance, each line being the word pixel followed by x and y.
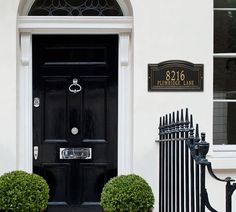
pixel 186 116
pixel 182 115
pixel 197 139
pixel 173 117
pixel 164 125
pixel 191 130
pixel 191 121
pixel 170 121
pixel 177 117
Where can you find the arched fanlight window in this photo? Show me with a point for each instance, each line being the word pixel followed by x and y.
pixel 75 8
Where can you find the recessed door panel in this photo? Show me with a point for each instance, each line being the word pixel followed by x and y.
pixel 55 109
pixel 75 97
pixel 58 175
pixel 75 55
pixel 91 189
pixel 94 108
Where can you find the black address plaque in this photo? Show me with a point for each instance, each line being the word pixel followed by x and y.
pixel 175 75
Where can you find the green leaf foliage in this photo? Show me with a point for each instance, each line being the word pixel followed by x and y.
pixel 21 192
pixel 129 193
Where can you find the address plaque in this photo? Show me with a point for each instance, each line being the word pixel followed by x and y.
pixel 175 75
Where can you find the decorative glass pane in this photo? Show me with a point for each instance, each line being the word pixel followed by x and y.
pixel 75 8
pixel 225 31
pixel 224 3
pixel 225 78
pixel 224 123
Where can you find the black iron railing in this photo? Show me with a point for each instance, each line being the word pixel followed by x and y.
pixel 183 166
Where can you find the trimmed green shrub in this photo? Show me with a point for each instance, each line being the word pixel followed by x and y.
pixel 21 192
pixel 129 193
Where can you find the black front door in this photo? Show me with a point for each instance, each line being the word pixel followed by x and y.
pixel 75 86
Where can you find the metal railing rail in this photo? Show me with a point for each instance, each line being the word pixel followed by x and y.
pixel 183 165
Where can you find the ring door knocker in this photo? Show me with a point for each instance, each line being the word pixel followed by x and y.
pixel 75 87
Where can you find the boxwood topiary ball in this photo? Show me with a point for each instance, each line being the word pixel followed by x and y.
pixel 129 193
pixel 21 192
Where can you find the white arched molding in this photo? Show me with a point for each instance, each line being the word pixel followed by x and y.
pixel 29 25
pixel 25 6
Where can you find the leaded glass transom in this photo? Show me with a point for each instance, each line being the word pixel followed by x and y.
pixel 75 8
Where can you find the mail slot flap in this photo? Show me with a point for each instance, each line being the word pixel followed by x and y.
pixel 75 153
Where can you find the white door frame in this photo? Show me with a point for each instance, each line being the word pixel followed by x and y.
pixel 28 25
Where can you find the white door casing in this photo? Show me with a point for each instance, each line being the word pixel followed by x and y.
pixel 28 25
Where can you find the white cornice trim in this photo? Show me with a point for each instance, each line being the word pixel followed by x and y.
pixel 46 24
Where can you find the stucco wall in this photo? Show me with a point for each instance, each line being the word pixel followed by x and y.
pixel 8 11
pixel 163 30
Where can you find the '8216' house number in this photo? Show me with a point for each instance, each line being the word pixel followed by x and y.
pixel 175 75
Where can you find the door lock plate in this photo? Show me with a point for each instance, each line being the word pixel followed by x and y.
pixel 36 102
pixel 36 152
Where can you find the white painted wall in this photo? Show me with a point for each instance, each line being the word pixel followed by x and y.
pixel 8 85
pixel 163 30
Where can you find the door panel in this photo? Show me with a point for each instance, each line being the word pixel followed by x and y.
pixel 58 175
pixel 75 78
pixel 91 189
pixel 94 118
pixel 55 107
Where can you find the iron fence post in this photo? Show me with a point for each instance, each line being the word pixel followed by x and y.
pixel 203 174
pixel 183 166
pixel 230 188
pixel 228 198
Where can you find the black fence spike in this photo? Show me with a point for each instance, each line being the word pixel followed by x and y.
pixel 177 121
pixel 197 131
pixel 170 119
pixel 197 139
pixel 173 117
pixel 163 125
pixel 182 115
pixel 186 115
pixel 186 123
pixel 191 130
pixel 160 127
pixel 191 121
pixel 177 117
